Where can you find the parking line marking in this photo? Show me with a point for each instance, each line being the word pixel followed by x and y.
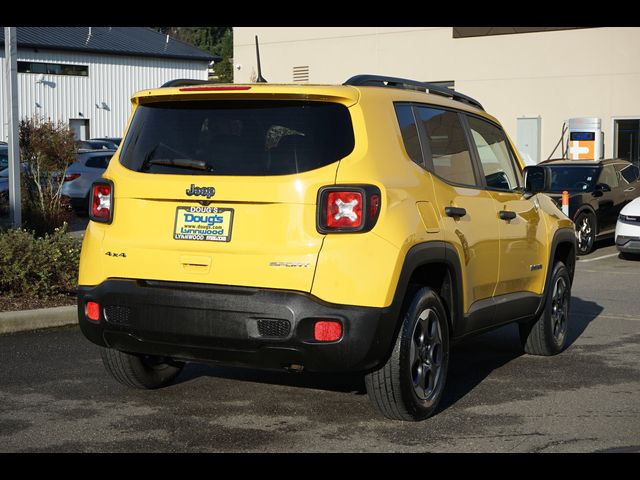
pixel 599 258
pixel 614 316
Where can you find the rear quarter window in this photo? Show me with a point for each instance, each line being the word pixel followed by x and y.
pixel 240 137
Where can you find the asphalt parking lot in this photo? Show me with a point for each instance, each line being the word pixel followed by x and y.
pixel 56 396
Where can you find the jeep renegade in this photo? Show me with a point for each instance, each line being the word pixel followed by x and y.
pixel 361 227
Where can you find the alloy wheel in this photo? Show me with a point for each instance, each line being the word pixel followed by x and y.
pixel 559 310
pixel 426 355
pixel 585 234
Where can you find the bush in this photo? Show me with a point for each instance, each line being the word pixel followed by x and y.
pixel 41 267
pixel 46 150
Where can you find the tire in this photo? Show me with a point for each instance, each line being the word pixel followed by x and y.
pixel 547 335
pixel 410 385
pixel 144 372
pixel 586 230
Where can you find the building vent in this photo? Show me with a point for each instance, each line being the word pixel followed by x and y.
pixel 301 74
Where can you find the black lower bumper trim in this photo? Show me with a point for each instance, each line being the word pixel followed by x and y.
pixel 234 325
pixel 628 244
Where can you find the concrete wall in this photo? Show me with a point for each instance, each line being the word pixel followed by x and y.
pixel 557 75
pixel 112 79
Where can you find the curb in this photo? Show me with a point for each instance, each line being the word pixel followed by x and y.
pixel 25 320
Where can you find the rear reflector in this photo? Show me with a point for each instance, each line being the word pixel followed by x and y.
pixel 214 89
pixel 92 311
pixel 327 331
pixel 374 206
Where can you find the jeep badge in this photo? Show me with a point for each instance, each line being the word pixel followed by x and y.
pixel 194 191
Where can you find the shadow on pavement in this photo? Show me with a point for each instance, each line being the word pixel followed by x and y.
pixel 343 383
pixel 583 312
pixel 472 361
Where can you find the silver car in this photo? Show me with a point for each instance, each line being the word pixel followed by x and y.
pixel 89 166
pixel 4 171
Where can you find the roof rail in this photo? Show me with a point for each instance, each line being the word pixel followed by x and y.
pixel 394 82
pixel 184 82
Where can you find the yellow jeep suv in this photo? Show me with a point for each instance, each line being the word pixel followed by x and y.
pixel 362 227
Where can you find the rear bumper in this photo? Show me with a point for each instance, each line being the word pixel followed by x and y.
pixel 253 327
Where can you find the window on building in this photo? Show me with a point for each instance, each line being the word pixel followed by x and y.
pixel 53 68
pixel 627 140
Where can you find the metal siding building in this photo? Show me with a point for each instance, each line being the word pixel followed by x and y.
pixel 120 61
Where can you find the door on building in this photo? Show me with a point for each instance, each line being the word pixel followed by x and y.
pixel 80 128
pixel 627 143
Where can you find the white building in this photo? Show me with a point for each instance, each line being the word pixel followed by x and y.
pixel 85 76
pixel 531 78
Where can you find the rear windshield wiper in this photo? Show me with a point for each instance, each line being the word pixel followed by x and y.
pixel 188 163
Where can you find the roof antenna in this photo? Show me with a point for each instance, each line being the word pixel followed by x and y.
pixel 260 78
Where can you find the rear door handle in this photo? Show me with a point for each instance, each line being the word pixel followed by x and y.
pixel 455 212
pixel 507 215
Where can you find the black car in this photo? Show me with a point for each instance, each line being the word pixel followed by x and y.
pixel 598 190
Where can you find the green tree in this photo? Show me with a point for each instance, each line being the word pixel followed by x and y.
pixel 216 40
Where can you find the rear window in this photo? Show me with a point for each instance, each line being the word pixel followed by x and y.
pixel 237 137
pixel 98 161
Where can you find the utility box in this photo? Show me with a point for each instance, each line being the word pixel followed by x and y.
pixel 586 139
pixel 528 139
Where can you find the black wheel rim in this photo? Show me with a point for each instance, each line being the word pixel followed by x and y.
pixel 427 355
pixel 559 310
pixel 584 228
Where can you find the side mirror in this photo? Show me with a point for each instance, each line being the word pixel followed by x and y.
pixel 537 179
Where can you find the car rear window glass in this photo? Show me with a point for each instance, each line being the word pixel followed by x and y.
pixel 241 137
pixel 99 161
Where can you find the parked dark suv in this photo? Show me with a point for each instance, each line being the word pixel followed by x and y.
pixel 598 190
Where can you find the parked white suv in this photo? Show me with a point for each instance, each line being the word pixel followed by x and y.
pixel 628 228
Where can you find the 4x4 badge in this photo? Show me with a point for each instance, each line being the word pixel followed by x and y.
pixel 194 191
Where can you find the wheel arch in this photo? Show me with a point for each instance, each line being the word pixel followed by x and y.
pixel 563 248
pixel 435 265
